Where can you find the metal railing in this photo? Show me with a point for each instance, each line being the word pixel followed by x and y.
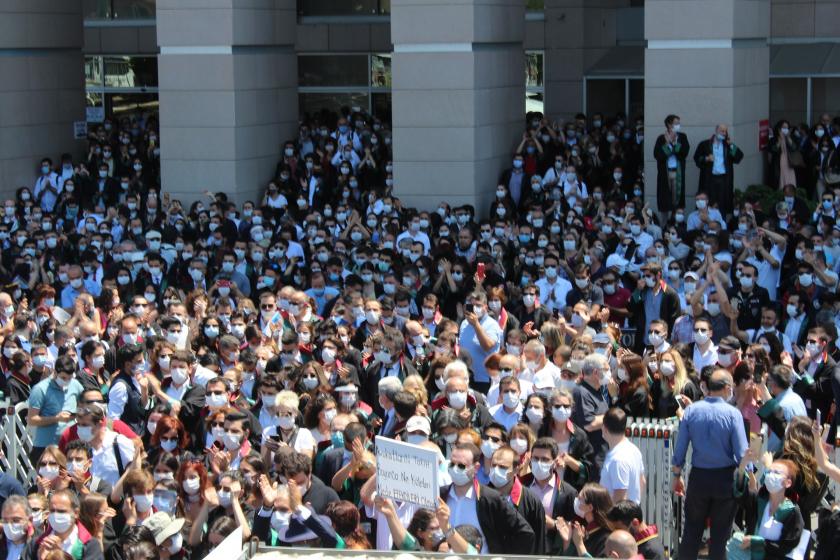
pixel 16 442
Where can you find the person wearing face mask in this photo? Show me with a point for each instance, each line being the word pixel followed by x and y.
pixel 483 507
pixel 671 151
pixel 590 404
pixel 167 532
pixel 50 403
pixel 17 529
pixel 785 156
pixel 715 431
pixel 387 361
pixel 653 299
pixel 503 478
pixel 480 336
pixel 227 504
pixel 774 523
pixel 65 531
pixel 287 433
pixel 716 158
pixel 129 392
pixel 750 298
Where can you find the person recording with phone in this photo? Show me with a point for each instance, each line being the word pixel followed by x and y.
pixel 480 336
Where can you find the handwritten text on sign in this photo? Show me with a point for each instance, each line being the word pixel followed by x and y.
pixel 406 472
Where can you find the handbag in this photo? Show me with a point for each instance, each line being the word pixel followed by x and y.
pixel 795 159
pixel 734 550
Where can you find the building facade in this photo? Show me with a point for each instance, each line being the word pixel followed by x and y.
pixel 231 77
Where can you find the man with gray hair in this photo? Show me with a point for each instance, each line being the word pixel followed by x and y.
pixel 544 374
pixel 590 404
pixel 388 389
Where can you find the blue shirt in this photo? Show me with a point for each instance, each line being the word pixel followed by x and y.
pixel 791 405
pixel 69 293
pixel 716 431
pixel 50 399
pixel 322 297
pixel 469 342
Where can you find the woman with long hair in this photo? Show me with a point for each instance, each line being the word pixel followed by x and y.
pixel 318 415
pixel 809 484
pixel 579 456
pixel 634 393
pixel 592 505
pixel 675 389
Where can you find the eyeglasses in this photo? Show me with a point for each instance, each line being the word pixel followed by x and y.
pixel 494 439
pixel 267 306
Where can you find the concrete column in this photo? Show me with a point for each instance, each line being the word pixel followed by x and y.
pixel 228 93
pixel 43 87
pixel 458 97
pixel 708 62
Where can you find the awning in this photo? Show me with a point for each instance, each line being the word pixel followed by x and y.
pixel 813 59
pixel 619 62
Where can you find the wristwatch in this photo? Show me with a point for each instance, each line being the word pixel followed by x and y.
pixel 676 474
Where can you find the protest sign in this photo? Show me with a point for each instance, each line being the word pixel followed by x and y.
pixel 406 472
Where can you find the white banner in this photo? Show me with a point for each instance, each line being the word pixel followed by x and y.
pixel 406 472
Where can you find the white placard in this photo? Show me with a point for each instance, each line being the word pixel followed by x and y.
pixel 79 130
pixel 229 548
pixel 406 472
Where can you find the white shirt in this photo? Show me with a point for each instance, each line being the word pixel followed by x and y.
pixel 117 397
pixel 794 325
pixel 548 376
pixel 405 512
pixel 304 442
pixel 177 393
pixel 559 289
pixel 525 387
pixel 623 470
pixel 69 543
pixel 418 237
pixel 104 463
pixel 202 375
pixel 768 277
pixel 505 418
pixel 707 358
pixel 464 511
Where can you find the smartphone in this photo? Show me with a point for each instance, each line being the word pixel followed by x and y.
pixel 469 308
pixel 819 418
pixel 679 401
pixel 481 270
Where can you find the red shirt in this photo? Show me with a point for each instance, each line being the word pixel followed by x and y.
pixel 619 299
pixel 72 432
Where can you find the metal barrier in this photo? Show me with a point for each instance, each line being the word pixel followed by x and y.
pixel 656 439
pixel 16 443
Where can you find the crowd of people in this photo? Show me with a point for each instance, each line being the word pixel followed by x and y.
pixel 194 369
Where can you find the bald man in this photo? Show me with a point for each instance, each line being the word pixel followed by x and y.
pixel 621 544
pixel 716 158
pixel 715 430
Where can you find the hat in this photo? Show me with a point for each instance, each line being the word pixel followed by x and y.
pixel 163 526
pixel 572 366
pixel 691 274
pixel 601 338
pixel 418 424
pixel 616 261
pixel 730 343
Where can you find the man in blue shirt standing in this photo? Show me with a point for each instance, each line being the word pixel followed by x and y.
pixel 480 336
pixel 52 405
pixel 715 430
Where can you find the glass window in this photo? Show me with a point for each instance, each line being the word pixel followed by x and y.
pixel 788 99
pixel 93 72
pixel 343 7
pixel 133 9
pixel 126 104
pixel 637 99
pixel 604 96
pixel 380 71
pixel 381 104
pixel 332 70
pixel 534 69
pixel 130 71
pixel 825 96
pixel 534 102
pixel 119 9
pixel 311 104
